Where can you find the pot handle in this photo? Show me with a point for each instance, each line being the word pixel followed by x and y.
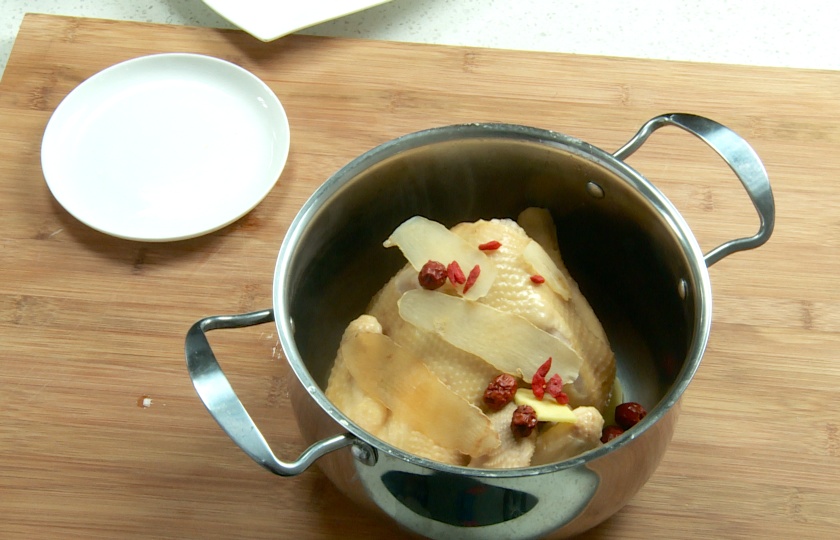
pixel 218 396
pixel 740 157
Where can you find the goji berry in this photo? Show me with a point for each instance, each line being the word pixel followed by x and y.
pixel 492 245
pixel 555 388
pixel 538 380
pixel 456 275
pixel 472 278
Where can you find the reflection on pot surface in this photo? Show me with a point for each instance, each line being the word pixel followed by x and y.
pixel 462 502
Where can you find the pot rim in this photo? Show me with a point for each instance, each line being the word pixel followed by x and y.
pixel 687 243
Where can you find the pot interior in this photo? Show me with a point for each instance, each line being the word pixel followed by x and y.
pixel 624 244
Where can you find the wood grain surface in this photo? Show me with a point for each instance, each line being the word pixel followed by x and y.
pixel 91 325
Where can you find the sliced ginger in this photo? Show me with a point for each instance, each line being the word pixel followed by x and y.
pixel 507 341
pixel 422 240
pixel 402 383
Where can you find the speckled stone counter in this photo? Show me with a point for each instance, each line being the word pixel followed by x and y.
pixel 766 33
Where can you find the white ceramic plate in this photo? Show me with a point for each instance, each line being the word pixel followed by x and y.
pixel 270 19
pixel 165 147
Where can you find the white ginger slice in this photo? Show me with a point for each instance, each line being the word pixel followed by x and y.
pixel 374 417
pixel 345 394
pixel 508 342
pixel 536 257
pixel 465 374
pixel 343 391
pixel 422 240
pixel 539 226
pixel 564 441
pixel 402 382
pixel 512 452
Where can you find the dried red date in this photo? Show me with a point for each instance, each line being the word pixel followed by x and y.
pixel 610 432
pixel 500 392
pixel 629 414
pixel 432 276
pixel 523 422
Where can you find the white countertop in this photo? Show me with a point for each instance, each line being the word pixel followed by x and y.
pixel 800 34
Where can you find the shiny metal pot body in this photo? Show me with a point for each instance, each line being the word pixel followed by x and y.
pixel 632 253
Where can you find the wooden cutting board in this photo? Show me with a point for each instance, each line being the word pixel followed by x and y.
pixel 102 435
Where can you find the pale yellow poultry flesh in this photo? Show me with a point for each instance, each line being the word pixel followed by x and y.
pixel 557 308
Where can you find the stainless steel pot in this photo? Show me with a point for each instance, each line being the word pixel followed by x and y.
pixel 630 250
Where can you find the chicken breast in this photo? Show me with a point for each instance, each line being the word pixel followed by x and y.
pixel 565 314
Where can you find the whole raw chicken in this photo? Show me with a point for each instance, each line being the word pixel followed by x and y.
pixel 418 383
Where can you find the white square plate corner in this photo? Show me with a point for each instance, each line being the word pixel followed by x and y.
pixel 271 19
